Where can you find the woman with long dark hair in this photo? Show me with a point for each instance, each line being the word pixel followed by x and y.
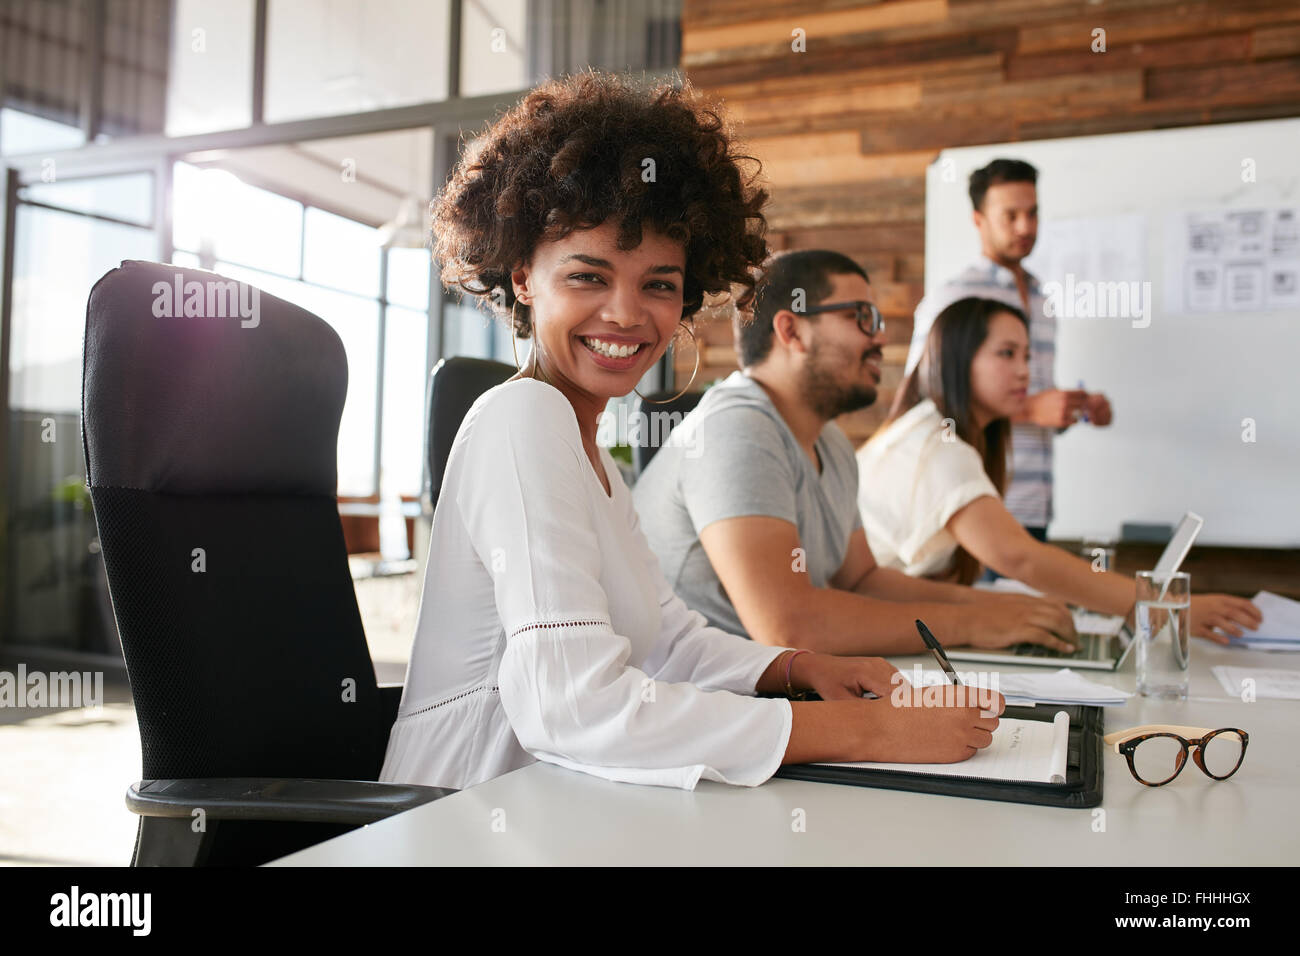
pixel 933 476
pixel 598 215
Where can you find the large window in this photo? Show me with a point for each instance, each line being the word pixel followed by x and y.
pixel 196 66
pixel 325 57
pixel 211 81
pixel 67 234
pixel 22 132
pixel 493 42
pixel 331 266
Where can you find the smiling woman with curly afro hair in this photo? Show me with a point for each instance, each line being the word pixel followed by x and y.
pixel 591 148
pixel 600 215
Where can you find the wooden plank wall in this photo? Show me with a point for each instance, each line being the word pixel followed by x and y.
pixel 846 129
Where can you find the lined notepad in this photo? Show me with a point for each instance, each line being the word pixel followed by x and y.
pixel 1022 750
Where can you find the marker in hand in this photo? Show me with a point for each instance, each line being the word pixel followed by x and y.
pixel 1083 416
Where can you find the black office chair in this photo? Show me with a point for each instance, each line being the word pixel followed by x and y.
pixel 454 385
pixel 211 457
pixel 683 405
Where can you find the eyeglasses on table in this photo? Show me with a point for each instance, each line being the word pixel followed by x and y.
pixel 1157 753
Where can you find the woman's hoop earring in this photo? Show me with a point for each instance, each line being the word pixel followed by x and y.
pixel 694 372
pixel 514 347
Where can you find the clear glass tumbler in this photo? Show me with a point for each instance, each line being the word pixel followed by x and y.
pixel 1162 633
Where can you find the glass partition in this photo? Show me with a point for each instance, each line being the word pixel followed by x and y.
pixel 56 595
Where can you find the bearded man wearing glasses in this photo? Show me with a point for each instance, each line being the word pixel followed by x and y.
pixel 752 504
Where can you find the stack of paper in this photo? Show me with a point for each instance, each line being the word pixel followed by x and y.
pixel 1055 687
pixel 1251 683
pixel 1061 687
pixel 1280 629
pixel 1090 622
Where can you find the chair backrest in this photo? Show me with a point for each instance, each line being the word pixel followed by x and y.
pixel 672 413
pixel 210 415
pixel 454 385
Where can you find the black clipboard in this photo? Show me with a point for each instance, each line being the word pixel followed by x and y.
pixel 1082 787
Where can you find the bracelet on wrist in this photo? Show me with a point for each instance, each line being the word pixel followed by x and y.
pixel 789 688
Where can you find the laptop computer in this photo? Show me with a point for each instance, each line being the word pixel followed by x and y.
pixel 1104 642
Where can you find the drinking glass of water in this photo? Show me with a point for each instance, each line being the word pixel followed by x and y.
pixel 1163 638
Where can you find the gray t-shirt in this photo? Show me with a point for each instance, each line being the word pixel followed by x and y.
pixel 733 456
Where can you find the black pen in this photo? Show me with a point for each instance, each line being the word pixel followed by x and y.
pixel 937 651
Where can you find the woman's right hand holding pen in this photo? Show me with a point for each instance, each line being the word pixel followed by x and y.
pixel 912 731
pixel 897 726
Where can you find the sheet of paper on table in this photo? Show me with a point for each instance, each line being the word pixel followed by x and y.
pixel 1041 687
pixel 1260 681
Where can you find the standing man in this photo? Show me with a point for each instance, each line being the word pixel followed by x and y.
pixel 1005 198
pixel 752 504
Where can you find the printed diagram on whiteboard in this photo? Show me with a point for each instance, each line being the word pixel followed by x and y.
pixel 1232 260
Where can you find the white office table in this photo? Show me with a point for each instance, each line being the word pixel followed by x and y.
pixel 545 815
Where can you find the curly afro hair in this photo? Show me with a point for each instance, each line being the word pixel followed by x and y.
pixel 569 156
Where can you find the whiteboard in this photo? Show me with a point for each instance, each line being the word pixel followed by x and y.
pixel 1182 387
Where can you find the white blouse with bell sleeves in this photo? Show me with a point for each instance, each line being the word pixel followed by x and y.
pixel 547 631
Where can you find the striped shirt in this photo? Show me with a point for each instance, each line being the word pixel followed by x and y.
pixel 1029 493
